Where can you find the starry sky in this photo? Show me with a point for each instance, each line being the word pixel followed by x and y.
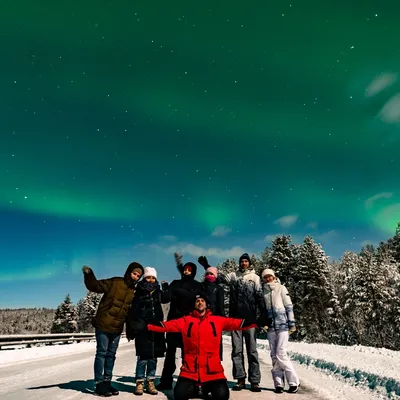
pixel 130 130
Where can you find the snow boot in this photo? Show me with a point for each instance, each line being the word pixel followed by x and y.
pixel 111 388
pixel 139 387
pixel 151 389
pixel 293 389
pixel 102 390
pixel 255 387
pixel 279 389
pixel 241 384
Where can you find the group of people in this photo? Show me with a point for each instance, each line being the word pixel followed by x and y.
pixel 195 323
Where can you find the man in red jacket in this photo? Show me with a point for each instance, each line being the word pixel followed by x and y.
pixel 202 334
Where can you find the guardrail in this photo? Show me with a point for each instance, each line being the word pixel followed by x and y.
pixel 51 338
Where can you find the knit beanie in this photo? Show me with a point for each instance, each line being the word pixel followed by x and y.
pixel 149 271
pixel 268 271
pixel 212 270
pixel 244 256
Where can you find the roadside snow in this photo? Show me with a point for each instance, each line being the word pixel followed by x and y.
pixel 13 356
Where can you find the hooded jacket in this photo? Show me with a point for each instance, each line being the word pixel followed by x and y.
pixel 183 292
pixel 202 335
pixel 116 300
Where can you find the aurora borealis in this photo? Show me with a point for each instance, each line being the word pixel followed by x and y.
pixel 129 129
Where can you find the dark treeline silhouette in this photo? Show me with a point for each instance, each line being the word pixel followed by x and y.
pixel 353 300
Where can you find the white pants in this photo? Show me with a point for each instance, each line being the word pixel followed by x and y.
pixel 281 365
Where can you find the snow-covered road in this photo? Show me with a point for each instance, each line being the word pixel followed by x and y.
pixel 65 372
pixel 69 376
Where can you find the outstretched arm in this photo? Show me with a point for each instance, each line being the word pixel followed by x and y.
pixel 236 324
pixel 94 285
pixel 175 325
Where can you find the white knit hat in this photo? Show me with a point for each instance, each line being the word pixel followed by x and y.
pixel 149 271
pixel 267 271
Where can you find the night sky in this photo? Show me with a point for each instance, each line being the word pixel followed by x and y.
pixel 131 129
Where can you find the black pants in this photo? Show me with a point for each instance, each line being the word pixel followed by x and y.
pixel 185 389
pixel 174 341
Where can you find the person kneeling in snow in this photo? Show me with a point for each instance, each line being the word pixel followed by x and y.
pixel 281 323
pixel 202 335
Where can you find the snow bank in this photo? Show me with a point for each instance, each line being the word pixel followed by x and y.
pixel 13 356
pixel 374 368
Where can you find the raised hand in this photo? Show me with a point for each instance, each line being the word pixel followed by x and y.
pixel 203 261
pixel 178 258
pixel 86 270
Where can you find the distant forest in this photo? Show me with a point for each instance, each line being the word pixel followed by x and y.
pixel 26 321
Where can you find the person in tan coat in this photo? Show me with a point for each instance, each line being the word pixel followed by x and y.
pixel 109 321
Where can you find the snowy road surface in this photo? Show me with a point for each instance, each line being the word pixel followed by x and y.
pixel 68 376
pixel 65 372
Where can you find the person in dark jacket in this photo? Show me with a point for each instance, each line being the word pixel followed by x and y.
pixel 202 336
pixel 146 305
pixel 245 299
pixel 183 292
pixel 109 321
pixel 214 292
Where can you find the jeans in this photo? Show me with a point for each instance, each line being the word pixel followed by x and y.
pixel 239 371
pixel 142 365
pixel 107 345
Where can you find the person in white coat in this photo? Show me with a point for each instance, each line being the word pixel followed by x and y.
pixel 281 323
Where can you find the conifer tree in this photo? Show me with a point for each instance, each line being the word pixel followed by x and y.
pixel 282 259
pixel 315 297
pixel 86 309
pixel 65 317
pixel 394 244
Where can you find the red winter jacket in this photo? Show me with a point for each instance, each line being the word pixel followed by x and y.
pixel 202 337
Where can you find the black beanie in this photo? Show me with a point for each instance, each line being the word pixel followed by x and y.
pixel 244 256
pixel 201 296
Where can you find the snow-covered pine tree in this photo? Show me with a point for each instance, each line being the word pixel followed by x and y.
pixel 265 256
pixel 372 299
pixel 229 265
pixel 65 317
pixel 394 244
pixel 86 309
pixel 282 259
pixel 390 298
pixel 256 264
pixel 316 307
pixel 351 322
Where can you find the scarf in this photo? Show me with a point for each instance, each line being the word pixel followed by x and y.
pixel 149 287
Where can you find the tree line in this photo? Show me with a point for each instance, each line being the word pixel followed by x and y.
pixel 353 300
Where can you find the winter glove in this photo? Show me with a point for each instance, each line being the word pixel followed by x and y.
pixel 204 262
pixel 178 258
pixel 292 329
pixel 86 270
pixel 138 325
